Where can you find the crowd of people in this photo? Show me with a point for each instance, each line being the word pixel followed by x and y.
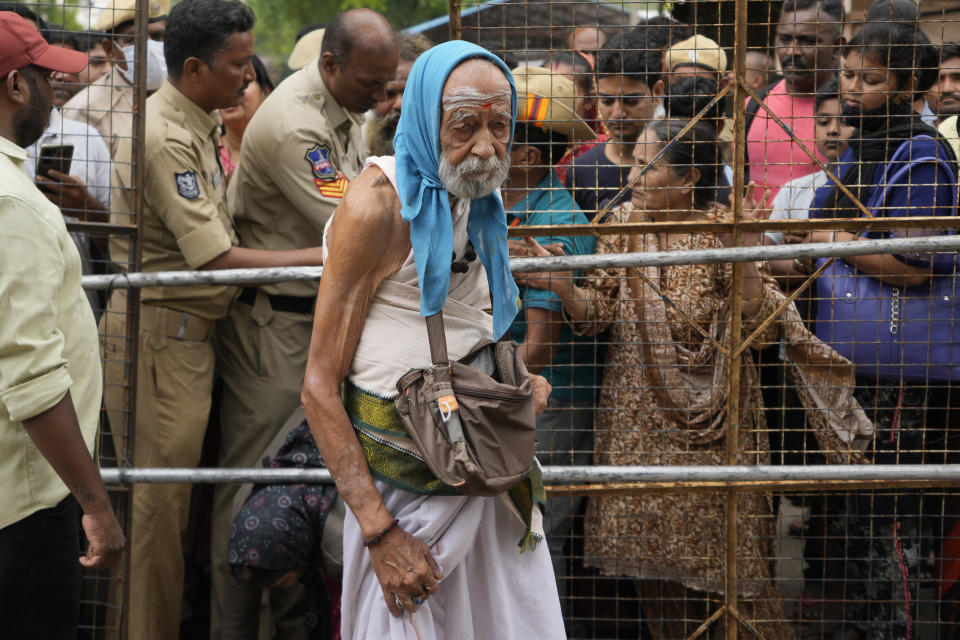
pixel 400 166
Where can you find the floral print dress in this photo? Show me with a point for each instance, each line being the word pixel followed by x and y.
pixel 663 401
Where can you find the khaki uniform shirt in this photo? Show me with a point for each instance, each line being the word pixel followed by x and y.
pixel 299 151
pixel 107 106
pixel 186 223
pixel 48 338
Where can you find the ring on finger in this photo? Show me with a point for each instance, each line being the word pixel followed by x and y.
pixel 417 600
pixel 431 589
pixel 403 603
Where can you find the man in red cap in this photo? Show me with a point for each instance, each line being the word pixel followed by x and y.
pixel 50 378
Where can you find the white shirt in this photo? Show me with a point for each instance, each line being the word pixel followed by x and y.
pixel 794 199
pixel 91 157
pixel 927 115
pixel 90 163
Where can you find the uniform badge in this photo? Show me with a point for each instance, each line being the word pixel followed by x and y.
pixel 332 188
pixel 319 158
pixel 187 185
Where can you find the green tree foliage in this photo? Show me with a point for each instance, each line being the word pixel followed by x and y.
pixel 278 21
pixel 58 12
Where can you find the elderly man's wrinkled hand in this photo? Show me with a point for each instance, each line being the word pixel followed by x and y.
pixel 406 569
pixel 541 392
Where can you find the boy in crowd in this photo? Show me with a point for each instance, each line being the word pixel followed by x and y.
pixel 794 199
pixel 628 92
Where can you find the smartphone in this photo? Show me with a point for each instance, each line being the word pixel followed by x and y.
pixel 55 158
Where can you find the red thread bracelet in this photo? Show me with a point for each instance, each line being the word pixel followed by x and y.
pixel 377 538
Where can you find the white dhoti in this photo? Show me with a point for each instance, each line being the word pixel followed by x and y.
pixel 489 591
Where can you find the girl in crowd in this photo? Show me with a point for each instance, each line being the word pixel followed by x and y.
pixel 236 119
pixel 892 316
pixel 663 399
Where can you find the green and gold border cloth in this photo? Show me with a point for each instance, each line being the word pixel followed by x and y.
pixel 393 457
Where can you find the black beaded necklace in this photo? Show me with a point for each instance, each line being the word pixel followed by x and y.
pixel 463 265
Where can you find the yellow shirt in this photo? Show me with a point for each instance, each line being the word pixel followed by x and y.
pixel 949 130
pixel 48 337
pixel 299 151
pixel 186 223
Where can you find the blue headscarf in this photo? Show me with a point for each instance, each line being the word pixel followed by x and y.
pixel 426 204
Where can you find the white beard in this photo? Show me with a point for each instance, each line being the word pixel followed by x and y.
pixel 459 185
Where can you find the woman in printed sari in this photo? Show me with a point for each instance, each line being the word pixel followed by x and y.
pixel 663 400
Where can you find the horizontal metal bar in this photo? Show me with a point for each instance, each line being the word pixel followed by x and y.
pixel 929 244
pixel 700 226
pixel 101 228
pixel 122 475
pixel 201 278
pixel 903 475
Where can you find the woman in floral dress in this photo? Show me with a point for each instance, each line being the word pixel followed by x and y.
pixel 664 396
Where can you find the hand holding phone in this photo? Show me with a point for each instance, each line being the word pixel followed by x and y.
pixel 55 158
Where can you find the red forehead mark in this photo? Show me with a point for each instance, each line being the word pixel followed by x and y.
pixel 486 106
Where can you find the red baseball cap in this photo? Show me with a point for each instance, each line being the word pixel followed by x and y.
pixel 22 45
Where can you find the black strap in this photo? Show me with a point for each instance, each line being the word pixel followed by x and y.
pixel 286 304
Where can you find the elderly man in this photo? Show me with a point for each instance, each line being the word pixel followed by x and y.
pixel 443 564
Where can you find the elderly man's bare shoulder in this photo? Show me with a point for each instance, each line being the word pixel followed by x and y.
pixel 369 216
pixel 371 199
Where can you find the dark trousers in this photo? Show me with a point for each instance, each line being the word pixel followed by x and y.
pixel 40 575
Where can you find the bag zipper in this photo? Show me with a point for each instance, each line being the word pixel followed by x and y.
pixel 484 393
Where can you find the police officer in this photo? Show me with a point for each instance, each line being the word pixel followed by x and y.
pixel 186 225
pixel 107 104
pixel 300 150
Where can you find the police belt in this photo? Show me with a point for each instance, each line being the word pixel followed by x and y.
pixel 287 304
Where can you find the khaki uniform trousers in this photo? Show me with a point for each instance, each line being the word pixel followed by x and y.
pixel 261 358
pixel 174 386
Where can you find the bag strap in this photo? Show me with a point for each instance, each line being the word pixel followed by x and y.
pixel 902 158
pixel 438 340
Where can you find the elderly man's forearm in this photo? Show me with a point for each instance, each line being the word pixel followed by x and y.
pixel 344 458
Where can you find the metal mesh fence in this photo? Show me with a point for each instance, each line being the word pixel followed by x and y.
pixel 709 364
pixel 637 122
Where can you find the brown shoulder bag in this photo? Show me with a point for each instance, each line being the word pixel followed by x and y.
pixel 473 420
